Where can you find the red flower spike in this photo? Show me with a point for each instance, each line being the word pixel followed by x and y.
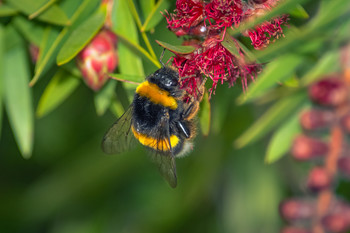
pixel 330 91
pixel 319 179
pixel 305 148
pixel 293 229
pixel 344 165
pixel 336 223
pixel 316 119
pixel 294 209
pixel 98 59
pixel 224 13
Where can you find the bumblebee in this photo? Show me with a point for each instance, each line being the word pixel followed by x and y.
pixel 159 119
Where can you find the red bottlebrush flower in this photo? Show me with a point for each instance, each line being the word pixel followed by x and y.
pixel 187 13
pixel 316 119
pixel 294 209
pixel 305 148
pixel 336 223
pixel 262 35
pixel 293 229
pixel 319 179
pixel 98 59
pixel 344 165
pixel 330 91
pixel 224 13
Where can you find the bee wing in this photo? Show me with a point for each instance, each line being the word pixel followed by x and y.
pixel 163 157
pixel 119 137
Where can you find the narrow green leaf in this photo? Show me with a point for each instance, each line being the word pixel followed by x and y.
pixel 205 115
pixel 124 25
pixel 42 9
pixel 80 37
pixel 2 52
pixel 328 64
pixel 155 16
pixel 30 30
pixel 11 37
pixel 104 97
pixel 18 99
pixel 178 49
pixel 299 12
pixel 47 58
pixel 127 78
pixel 7 10
pixel 58 90
pixel 271 118
pixel 276 71
pixel 53 15
pixel 231 46
pixel 281 140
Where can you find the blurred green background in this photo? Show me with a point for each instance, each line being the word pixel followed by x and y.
pixel 69 185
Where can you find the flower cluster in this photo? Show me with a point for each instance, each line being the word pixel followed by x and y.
pixel 206 23
pixel 324 211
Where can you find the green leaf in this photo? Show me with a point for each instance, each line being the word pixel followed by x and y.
pixel 30 30
pixel 281 140
pixel 299 12
pixel 2 52
pixel 147 7
pixel 155 16
pixel 80 37
pixel 124 25
pixel 59 88
pixel 276 71
pixel 231 46
pixel 18 99
pixel 47 57
pixel 104 97
pixel 205 115
pixel 178 49
pixel 271 118
pixel 127 78
pixel 53 15
pixel 7 10
pixel 328 64
pixel 42 9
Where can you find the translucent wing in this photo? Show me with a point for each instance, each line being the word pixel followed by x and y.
pixel 163 157
pixel 119 137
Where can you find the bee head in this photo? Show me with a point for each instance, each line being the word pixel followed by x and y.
pixel 166 79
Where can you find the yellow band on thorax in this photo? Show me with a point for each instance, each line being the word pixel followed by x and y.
pixel 156 144
pixel 156 95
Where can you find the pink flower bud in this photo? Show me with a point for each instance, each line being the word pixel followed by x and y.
pixel 305 148
pixel 316 119
pixel 336 223
pixel 295 209
pixel 98 59
pixel 330 91
pixel 319 179
pixel 294 229
pixel 344 165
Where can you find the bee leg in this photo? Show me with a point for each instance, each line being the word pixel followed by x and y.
pixel 161 57
pixel 191 111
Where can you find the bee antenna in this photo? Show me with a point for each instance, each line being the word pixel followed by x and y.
pixel 161 57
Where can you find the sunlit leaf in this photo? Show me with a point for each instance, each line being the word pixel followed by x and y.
pixel 18 99
pixel 282 139
pixel 178 49
pixel 299 12
pixel 271 118
pixel 2 52
pixel 53 15
pixel 80 37
pixel 155 16
pixel 58 90
pixel 205 115
pixel 104 97
pixel 276 71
